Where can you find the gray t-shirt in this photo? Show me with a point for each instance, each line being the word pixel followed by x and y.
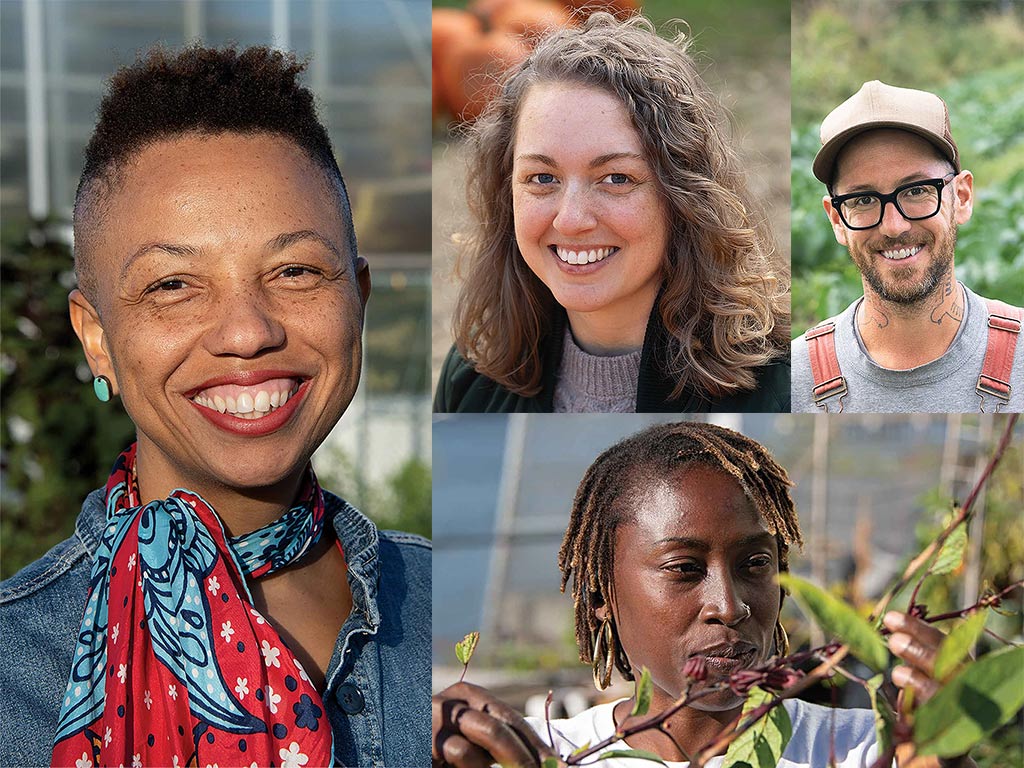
pixel 945 385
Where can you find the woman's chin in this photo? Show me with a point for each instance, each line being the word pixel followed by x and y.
pixel 720 701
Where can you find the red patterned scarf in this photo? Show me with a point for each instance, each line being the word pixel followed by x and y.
pixel 174 666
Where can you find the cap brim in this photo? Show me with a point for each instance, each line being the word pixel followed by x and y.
pixel 825 160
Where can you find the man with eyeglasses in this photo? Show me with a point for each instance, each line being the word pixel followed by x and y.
pixel 918 340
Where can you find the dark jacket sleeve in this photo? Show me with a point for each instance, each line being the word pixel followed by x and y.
pixel 443 394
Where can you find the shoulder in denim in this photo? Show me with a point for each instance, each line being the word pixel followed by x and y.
pixel 56 563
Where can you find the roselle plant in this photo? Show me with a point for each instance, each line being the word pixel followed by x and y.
pixel 976 696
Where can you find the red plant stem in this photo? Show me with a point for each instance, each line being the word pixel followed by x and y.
pixel 1002 640
pixel 688 697
pixel 730 734
pixel 547 716
pixel 996 457
pixel 984 602
pixel 885 759
pixel 936 545
pixel 852 677
pixel 648 723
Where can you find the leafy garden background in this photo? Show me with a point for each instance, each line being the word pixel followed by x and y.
pixel 968 53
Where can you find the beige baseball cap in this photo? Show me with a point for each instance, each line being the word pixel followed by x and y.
pixel 877 105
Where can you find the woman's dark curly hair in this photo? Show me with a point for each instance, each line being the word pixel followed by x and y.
pixel 724 303
pixel 202 91
pixel 606 496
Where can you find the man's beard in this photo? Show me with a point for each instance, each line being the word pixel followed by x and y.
pixel 898 290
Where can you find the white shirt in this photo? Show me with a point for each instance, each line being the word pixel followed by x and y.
pixel 809 747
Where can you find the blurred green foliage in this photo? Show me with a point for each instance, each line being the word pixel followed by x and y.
pixel 402 501
pixel 398 332
pixel 59 441
pixel 1002 563
pixel 968 53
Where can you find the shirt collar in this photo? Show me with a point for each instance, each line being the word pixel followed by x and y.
pixel 360 543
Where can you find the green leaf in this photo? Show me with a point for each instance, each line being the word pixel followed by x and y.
pixel 549 762
pixel 839 620
pixel 638 754
pixel 464 649
pixel 983 696
pixel 958 644
pixel 644 688
pixel 952 552
pixel 761 745
pixel 885 717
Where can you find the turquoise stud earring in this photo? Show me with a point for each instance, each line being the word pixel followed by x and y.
pixel 101 386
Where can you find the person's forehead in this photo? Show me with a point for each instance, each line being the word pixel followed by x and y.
pixel 570 117
pixel 700 502
pixel 178 182
pixel 882 157
pixel 196 156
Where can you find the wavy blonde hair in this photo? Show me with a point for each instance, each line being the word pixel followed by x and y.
pixel 723 303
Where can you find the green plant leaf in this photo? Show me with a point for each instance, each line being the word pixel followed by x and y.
pixel 885 717
pixel 958 644
pixel 549 762
pixel 951 554
pixel 984 695
pixel 761 745
pixel 637 754
pixel 644 687
pixel 839 620
pixel 465 647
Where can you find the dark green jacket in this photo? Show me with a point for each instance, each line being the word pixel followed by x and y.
pixel 461 389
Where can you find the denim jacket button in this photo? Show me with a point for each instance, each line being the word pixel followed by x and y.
pixel 350 698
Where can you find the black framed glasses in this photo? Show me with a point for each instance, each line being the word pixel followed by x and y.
pixel 915 201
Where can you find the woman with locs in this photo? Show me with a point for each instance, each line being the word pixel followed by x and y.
pixel 216 605
pixel 616 262
pixel 674 541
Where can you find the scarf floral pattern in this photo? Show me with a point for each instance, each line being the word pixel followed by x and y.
pixel 174 666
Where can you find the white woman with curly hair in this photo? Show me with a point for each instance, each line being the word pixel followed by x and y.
pixel 616 263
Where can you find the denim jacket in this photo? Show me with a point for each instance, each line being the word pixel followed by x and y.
pixel 378 680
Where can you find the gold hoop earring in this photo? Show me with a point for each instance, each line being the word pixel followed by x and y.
pixel 602 667
pixel 781 640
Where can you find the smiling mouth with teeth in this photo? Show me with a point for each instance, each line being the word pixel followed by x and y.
pixel 898 254
pixel 250 402
pixel 582 256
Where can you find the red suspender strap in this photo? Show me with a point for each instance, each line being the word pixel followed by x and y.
pixel 821 347
pixel 1004 324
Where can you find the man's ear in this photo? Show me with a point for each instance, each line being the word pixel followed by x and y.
pixel 833 218
pixel 964 196
pixel 86 322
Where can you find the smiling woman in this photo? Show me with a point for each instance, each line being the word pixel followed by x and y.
pixel 616 262
pixel 222 299
pixel 236 281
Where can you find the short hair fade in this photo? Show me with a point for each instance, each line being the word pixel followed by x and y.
pixel 205 91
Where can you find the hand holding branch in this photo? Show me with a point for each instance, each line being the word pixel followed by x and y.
pixel 472 728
